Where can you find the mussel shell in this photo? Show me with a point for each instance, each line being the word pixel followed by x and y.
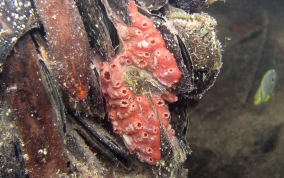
pixel 191 38
pixel 152 4
pixel 191 5
pixel 200 47
pixel 172 43
pixel 98 27
pixel 16 18
pixel 99 18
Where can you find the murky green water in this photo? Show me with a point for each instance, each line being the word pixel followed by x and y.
pixel 229 135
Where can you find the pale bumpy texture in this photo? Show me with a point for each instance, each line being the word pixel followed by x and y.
pixel 136 84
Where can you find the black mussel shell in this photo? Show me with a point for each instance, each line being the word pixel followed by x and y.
pixel 191 5
pixel 200 48
pixel 152 4
pixel 16 18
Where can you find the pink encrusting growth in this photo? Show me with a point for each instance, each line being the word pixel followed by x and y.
pixel 135 112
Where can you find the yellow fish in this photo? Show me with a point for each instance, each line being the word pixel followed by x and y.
pixel 266 87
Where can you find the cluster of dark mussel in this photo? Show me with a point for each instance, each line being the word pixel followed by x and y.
pixel 52 108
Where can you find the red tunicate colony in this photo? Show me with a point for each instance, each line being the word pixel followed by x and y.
pixel 137 117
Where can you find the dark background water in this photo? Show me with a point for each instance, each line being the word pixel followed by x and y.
pixel 229 135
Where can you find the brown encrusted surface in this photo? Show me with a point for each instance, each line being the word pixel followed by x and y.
pixel 68 44
pixel 41 142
